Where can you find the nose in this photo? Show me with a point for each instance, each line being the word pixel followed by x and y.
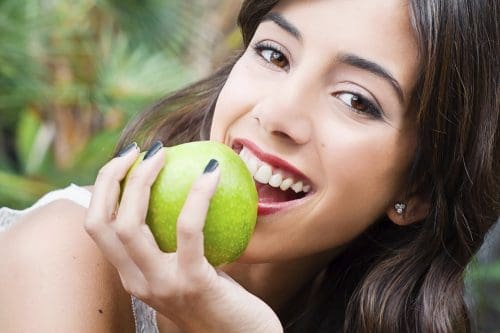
pixel 286 112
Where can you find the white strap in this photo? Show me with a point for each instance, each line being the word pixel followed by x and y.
pixel 73 192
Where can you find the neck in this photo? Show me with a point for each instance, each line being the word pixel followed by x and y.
pixel 276 283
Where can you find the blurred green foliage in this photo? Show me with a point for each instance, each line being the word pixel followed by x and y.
pixel 483 286
pixel 72 73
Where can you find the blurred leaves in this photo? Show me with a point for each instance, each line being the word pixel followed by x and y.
pixel 30 189
pixel 483 286
pixel 33 139
pixel 72 73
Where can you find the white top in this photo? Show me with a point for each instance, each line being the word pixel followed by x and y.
pixel 144 315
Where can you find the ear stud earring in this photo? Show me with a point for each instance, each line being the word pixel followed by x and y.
pixel 400 208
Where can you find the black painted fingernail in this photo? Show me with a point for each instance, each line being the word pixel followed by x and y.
pixel 211 166
pixel 127 149
pixel 155 147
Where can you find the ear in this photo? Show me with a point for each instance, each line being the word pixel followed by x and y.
pixel 416 209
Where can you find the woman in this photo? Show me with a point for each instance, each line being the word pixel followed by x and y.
pixel 386 112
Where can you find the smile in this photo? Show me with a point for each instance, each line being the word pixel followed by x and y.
pixel 279 184
pixel 267 175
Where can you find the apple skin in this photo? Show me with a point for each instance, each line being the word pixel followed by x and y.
pixel 232 213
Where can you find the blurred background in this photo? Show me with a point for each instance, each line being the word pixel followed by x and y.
pixel 73 73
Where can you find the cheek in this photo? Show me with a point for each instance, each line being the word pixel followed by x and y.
pixel 237 97
pixel 367 173
pixel 372 166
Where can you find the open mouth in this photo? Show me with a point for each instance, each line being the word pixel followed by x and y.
pixel 276 181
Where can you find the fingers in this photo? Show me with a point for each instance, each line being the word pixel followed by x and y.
pixel 107 186
pixel 135 197
pixel 130 221
pixel 103 205
pixel 127 241
pixel 191 220
pixel 101 211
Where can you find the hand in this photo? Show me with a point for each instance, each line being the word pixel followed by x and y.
pixel 182 285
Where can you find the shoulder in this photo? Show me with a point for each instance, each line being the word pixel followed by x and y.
pixel 59 217
pixel 47 228
pixel 49 257
pixel 57 221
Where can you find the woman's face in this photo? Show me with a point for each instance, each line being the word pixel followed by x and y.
pixel 320 97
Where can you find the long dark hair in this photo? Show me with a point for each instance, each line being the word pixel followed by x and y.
pixel 392 278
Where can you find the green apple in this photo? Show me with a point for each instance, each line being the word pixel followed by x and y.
pixel 232 212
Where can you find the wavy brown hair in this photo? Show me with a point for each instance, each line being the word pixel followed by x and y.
pixel 393 278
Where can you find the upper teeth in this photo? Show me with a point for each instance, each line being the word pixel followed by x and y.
pixel 264 174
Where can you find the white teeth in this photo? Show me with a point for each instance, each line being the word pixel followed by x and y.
pixel 244 154
pixel 286 184
pixel 251 162
pixel 263 173
pixel 297 187
pixel 252 165
pixel 275 180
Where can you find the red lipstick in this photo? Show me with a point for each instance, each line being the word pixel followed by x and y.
pixel 270 159
pixel 266 207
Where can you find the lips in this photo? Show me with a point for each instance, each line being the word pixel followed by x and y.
pixel 280 185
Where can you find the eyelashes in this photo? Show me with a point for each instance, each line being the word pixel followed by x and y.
pixel 273 56
pixel 358 103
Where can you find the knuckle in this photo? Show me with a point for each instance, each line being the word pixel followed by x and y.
pixel 92 225
pixel 186 231
pixel 192 287
pixel 104 172
pixel 195 280
pixel 138 291
pixel 124 233
pixel 135 177
pixel 126 286
pixel 199 189
pixel 142 293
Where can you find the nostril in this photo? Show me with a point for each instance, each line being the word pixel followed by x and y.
pixel 278 133
pixel 282 135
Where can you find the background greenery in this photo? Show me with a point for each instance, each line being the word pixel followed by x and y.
pixel 73 72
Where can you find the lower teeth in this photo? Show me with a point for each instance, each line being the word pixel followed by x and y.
pixel 270 194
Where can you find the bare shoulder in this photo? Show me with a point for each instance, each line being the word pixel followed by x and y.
pixel 53 233
pixel 59 218
pixel 52 273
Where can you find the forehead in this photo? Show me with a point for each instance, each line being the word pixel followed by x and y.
pixel 379 30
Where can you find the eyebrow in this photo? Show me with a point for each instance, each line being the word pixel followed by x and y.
pixel 345 58
pixel 283 23
pixel 372 67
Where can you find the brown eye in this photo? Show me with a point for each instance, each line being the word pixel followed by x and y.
pixel 275 57
pixel 272 55
pixel 358 104
pixel 279 59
